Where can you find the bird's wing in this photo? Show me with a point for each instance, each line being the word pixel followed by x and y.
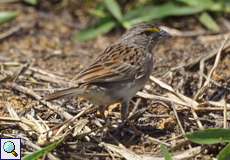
pixel 117 63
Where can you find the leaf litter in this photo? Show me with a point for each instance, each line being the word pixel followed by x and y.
pixel 37 57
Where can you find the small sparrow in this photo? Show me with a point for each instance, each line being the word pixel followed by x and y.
pixel 117 74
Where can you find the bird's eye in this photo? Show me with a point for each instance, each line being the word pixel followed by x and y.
pixel 147 33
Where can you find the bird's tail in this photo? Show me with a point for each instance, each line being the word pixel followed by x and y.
pixel 74 91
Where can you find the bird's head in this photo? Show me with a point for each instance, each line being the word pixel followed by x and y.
pixel 144 35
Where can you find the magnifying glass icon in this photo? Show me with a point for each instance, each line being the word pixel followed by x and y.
pixel 9 147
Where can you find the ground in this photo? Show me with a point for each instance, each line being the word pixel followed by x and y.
pixel 39 56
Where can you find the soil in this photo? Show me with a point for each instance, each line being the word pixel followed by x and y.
pixel 44 41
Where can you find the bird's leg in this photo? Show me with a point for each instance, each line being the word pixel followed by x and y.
pixel 102 111
pixel 103 116
pixel 124 110
pixel 125 115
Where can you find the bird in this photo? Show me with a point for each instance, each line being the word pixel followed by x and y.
pixel 119 72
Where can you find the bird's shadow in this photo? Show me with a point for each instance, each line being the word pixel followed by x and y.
pixel 132 134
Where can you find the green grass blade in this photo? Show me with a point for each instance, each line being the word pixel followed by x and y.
pixel 6 16
pixel 210 136
pixel 114 8
pixel 158 12
pixel 43 151
pixel 209 22
pixel 224 153
pixel 167 155
pixel 198 3
pixel 205 4
pixel 8 1
pixel 98 13
pixel 31 2
pixel 90 33
pixel 227 7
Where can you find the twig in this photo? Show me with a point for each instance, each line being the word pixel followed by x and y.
pixel 201 72
pixel 31 93
pixel 210 109
pixel 63 129
pixel 219 104
pixel 10 119
pixel 225 114
pixel 36 147
pixel 13 113
pixel 156 140
pixel 15 29
pixel 196 118
pixel 206 83
pixel 52 79
pixel 71 120
pixel 216 83
pixel 10 32
pixel 178 120
pixel 199 59
pixel 9 1
pixel 178 33
pixel 23 120
pixel 190 102
pixel 22 69
pixel 43 72
pixel 188 154
pixel 135 107
pixel 49 77
pixel 162 98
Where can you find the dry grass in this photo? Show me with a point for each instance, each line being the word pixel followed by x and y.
pixel 189 90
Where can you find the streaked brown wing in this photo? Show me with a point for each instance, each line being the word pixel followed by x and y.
pixel 117 63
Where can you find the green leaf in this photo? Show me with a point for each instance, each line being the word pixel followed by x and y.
pixel 6 16
pixel 167 155
pixel 210 136
pixel 98 13
pixel 43 151
pixel 89 33
pixel 226 6
pixel 224 153
pixel 205 4
pixel 198 3
pixel 8 1
pixel 149 13
pixel 209 22
pixel 31 2
pixel 114 8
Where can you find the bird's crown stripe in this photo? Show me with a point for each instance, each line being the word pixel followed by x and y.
pixel 153 29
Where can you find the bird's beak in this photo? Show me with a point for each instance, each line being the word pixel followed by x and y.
pixel 164 34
